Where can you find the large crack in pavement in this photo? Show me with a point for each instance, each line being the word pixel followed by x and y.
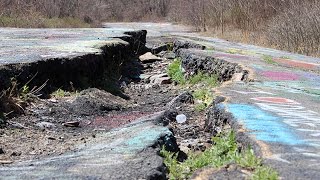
pixel 123 109
pixel 101 136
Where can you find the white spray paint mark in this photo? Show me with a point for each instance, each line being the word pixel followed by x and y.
pixel 278 157
pixel 294 115
pixel 252 92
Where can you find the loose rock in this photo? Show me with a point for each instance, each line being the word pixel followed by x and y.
pixel 45 125
pixel 163 80
pixel 154 77
pixel 160 48
pixel 149 58
pixel 169 55
pixel 185 97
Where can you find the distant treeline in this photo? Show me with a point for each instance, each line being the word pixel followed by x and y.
pixel 292 25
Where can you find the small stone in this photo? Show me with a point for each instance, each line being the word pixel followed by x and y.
pixel 163 80
pixel 154 77
pixel 144 76
pixel 170 55
pixel 53 100
pixel 149 58
pixel 45 125
pixel 32 153
pixel 71 124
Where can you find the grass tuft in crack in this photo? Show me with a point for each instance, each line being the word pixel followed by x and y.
pixel 14 100
pixel 223 152
pixel 201 81
pixel 60 93
pixel 175 72
pixel 204 97
pixel 205 79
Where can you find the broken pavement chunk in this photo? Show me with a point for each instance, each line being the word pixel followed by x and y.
pixel 149 58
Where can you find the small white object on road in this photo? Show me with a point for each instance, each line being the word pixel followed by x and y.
pixel 181 118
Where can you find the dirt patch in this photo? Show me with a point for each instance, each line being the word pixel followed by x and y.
pixel 42 131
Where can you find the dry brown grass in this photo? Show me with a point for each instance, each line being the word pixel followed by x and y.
pixel 292 25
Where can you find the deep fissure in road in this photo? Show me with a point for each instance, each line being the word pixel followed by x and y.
pixel 117 85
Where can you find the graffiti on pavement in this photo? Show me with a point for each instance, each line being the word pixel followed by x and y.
pixel 280 76
pixel 296 64
pixel 264 125
pixel 293 114
pixel 252 92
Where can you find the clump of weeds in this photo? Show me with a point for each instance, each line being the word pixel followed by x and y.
pixel 223 152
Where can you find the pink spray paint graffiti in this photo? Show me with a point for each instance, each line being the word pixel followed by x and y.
pixel 280 76
pixel 276 100
pixel 296 64
pixel 117 120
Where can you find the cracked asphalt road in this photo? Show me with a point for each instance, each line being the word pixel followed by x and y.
pixel 278 108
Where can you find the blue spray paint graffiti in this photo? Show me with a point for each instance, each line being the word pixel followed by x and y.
pixel 146 138
pixel 266 126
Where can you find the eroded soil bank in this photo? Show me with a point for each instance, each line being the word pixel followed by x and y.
pixel 99 93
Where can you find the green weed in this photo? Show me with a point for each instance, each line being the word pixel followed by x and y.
pixel 200 107
pixel 265 173
pixel 59 93
pixel 14 100
pixel 268 59
pixel 248 159
pixel 223 152
pixel 205 97
pixel 175 72
pixel 205 79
